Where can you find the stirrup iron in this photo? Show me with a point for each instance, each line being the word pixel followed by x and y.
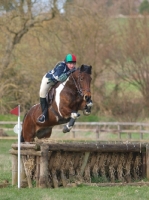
pixel 41 118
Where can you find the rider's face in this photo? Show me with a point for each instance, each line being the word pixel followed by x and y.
pixel 71 65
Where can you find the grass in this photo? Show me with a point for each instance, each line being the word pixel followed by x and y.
pixel 126 136
pixel 5 160
pixel 81 192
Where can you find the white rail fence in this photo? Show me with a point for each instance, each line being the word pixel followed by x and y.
pixel 98 130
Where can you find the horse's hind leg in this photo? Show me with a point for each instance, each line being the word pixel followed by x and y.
pixel 28 131
pixel 28 135
pixel 70 124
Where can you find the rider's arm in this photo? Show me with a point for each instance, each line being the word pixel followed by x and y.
pixel 60 73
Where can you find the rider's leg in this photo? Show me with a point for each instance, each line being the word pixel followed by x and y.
pixel 44 87
pixel 44 108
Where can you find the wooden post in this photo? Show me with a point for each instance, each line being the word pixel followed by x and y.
pixel 23 175
pixel 129 136
pixel 27 174
pixel 54 178
pixel 44 180
pixel 147 161
pixel 37 170
pixel 63 178
pixel 97 132
pixel 86 156
pixel 14 169
pixel 141 133
pixel 143 165
pixel 119 132
pixel 73 133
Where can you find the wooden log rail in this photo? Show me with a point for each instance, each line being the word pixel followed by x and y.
pixel 40 157
pixel 81 146
pixel 97 147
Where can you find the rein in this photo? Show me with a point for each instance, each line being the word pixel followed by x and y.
pixel 78 86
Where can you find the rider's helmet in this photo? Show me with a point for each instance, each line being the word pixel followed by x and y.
pixel 70 58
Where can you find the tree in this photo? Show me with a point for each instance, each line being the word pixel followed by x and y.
pixel 144 7
pixel 17 23
pixel 129 58
pixel 18 18
pixel 35 43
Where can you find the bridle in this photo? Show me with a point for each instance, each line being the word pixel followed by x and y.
pixel 78 85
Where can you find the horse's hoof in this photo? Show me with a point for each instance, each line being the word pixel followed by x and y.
pixel 85 112
pixel 66 129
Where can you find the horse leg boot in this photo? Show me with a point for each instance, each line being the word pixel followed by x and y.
pixel 70 124
pixel 44 108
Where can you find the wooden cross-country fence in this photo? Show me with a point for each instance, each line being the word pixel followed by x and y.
pixel 60 163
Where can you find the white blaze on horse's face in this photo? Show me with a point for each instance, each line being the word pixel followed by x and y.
pixel 57 96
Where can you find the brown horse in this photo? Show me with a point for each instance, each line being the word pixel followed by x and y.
pixel 67 98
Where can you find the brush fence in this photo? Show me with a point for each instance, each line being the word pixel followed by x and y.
pixel 61 163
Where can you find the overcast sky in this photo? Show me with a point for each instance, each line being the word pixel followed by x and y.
pixel 44 4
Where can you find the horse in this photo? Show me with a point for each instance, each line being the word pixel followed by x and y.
pixel 66 99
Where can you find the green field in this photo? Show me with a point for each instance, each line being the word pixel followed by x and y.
pixel 81 192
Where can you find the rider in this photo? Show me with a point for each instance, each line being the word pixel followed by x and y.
pixel 59 74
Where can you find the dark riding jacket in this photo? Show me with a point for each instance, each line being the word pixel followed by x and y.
pixel 59 73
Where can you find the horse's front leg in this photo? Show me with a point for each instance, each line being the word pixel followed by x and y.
pixel 70 124
pixel 88 107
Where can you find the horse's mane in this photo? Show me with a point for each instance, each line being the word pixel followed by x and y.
pixel 85 68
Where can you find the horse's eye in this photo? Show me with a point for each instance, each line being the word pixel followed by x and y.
pixel 81 78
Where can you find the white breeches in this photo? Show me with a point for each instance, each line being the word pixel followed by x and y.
pixel 44 87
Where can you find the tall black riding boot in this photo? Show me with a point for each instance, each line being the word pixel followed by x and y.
pixel 44 108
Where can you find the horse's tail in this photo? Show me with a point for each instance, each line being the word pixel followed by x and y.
pixel 22 138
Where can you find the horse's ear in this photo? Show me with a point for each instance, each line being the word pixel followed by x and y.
pixel 82 68
pixel 90 71
pixel 86 68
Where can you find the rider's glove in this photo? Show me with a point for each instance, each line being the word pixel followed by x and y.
pixel 62 78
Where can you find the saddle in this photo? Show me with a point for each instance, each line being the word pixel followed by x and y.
pixel 50 96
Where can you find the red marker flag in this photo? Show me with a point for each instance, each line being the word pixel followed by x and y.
pixel 15 111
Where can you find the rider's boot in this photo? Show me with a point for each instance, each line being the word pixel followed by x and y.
pixel 43 104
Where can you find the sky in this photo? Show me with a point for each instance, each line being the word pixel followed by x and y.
pixel 39 6
pixel 44 5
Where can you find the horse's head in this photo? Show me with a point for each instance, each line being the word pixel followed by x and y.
pixel 82 80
